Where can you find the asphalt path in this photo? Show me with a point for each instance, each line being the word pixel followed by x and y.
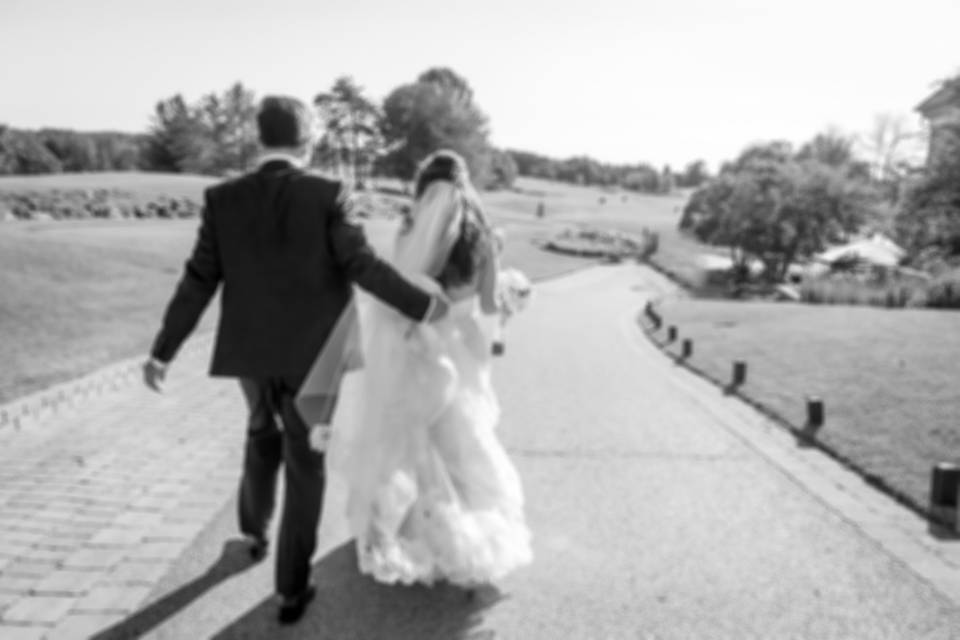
pixel 650 518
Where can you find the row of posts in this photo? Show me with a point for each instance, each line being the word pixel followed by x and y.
pixel 944 499
pixel 738 376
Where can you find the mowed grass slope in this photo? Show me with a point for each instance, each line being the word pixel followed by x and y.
pixel 888 378
pixel 77 295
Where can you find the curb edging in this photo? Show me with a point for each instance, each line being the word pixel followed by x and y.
pixel 28 411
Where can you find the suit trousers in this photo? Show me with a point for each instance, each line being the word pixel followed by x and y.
pixel 269 446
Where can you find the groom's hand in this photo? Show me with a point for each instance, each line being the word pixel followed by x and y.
pixel 154 373
pixel 439 307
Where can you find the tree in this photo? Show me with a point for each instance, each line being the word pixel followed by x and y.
pixel 667 181
pixel 352 128
pixel 892 148
pixel 694 174
pixel 643 178
pixel 891 144
pixel 831 148
pixel 435 112
pixel 214 135
pixel 758 156
pixel 836 150
pixel 76 152
pixel 929 218
pixel 23 152
pixel 228 120
pixel 503 169
pixel 778 209
pixel 177 141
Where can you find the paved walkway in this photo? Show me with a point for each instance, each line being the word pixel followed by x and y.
pixel 661 509
pixel 97 503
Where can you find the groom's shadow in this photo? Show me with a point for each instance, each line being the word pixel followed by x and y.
pixel 351 605
pixel 234 558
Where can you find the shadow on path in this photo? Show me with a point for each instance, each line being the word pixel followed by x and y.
pixel 350 605
pixel 234 558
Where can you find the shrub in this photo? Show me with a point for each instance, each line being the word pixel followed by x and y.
pixel 853 290
pixel 944 291
pixel 98 203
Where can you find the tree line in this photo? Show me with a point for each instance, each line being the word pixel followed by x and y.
pixel 58 150
pixel 361 137
pixel 584 170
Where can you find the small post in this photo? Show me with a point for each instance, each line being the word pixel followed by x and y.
pixel 687 349
pixel 944 490
pixel 739 373
pixel 814 413
pixel 671 333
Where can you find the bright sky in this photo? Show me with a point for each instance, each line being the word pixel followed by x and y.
pixel 620 80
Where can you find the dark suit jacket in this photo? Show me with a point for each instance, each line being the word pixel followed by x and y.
pixel 286 249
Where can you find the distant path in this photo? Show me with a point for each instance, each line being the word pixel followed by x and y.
pixel 655 515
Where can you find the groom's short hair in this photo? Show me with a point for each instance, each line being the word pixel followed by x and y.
pixel 283 121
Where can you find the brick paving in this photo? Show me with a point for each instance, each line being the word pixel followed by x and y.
pixel 100 497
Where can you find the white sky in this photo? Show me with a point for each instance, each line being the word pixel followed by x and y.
pixel 620 80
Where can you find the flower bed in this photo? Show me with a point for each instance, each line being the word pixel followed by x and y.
pixel 597 243
pixel 73 204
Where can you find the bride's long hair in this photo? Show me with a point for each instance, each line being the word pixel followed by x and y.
pixel 467 252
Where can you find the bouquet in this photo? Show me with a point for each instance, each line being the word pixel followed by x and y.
pixel 514 290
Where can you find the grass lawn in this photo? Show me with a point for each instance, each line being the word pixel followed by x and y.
pixel 888 378
pixel 77 295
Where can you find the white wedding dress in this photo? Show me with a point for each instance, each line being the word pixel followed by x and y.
pixel 432 494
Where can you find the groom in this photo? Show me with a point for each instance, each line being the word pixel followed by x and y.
pixel 285 248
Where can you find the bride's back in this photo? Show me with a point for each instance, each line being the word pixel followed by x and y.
pixel 448 237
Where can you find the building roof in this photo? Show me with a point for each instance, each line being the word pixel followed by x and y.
pixel 948 92
pixel 878 249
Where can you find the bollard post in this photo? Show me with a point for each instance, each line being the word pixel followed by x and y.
pixel 687 349
pixel 814 413
pixel 944 485
pixel 671 334
pixel 739 373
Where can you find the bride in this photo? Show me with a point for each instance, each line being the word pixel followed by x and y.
pixel 432 494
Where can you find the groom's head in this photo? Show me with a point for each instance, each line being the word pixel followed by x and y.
pixel 284 123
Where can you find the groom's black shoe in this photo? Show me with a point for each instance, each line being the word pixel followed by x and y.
pixel 291 609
